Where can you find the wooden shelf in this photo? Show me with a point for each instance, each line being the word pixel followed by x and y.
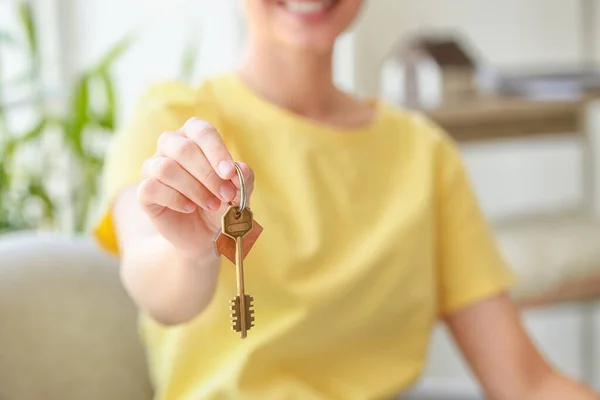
pixel 488 118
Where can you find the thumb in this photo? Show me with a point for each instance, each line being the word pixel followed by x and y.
pixel 248 175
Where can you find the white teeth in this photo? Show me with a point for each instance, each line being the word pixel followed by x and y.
pixel 307 7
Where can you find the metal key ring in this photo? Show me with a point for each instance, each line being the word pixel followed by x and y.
pixel 243 194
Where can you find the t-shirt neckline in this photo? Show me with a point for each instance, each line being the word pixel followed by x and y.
pixel 278 113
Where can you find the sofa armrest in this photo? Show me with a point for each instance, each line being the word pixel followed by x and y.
pixel 69 331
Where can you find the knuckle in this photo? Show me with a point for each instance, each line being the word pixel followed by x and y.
pixel 146 167
pixel 183 148
pixel 177 200
pixel 209 175
pixel 164 139
pixel 199 192
pixel 165 168
pixel 147 191
pixel 247 171
pixel 205 132
pixel 217 150
pixel 192 122
pixel 199 127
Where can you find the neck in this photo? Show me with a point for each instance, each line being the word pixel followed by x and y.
pixel 299 81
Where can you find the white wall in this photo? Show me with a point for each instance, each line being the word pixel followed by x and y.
pixel 505 34
pixel 162 29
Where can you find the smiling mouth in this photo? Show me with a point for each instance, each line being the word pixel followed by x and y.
pixel 307 7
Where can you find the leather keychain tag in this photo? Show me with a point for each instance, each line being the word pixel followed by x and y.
pixel 224 245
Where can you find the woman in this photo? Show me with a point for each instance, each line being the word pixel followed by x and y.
pixel 371 233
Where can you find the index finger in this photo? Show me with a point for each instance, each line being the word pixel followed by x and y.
pixel 210 142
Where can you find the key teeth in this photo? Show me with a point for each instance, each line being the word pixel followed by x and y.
pixel 235 308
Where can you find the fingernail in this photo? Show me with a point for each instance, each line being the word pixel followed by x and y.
pixel 225 167
pixel 213 204
pixel 227 192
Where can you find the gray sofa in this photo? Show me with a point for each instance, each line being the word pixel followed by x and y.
pixel 68 330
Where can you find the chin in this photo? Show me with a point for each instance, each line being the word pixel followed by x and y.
pixel 320 42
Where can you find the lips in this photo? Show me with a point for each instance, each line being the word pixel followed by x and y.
pixel 307 7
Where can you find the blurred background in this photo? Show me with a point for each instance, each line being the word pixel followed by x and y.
pixel 515 83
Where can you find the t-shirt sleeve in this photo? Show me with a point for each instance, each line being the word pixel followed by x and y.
pixel 470 266
pixel 163 107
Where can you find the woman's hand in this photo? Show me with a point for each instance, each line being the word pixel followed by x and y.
pixel 500 352
pixel 187 185
pixel 166 223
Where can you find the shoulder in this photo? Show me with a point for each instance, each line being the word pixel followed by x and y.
pixel 170 103
pixel 417 126
pixel 428 142
pixel 177 101
pixel 162 107
pixel 166 92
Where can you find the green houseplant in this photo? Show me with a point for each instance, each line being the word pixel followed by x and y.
pixel 27 200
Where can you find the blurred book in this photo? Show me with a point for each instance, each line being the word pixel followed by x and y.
pixel 542 83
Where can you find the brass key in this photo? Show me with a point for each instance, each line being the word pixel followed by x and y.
pixel 236 223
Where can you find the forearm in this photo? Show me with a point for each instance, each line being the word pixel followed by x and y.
pixel 557 387
pixel 170 286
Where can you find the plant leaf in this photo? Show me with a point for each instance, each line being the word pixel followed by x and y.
pixel 36 189
pixel 115 52
pixel 9 150
pixel 4 182
pixel 107 119
pixel 95 163
pixel 188 62
pixel 78 115
pixel 81 207
pixel 28 23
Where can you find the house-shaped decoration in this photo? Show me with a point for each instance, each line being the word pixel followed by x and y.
pixel 428 70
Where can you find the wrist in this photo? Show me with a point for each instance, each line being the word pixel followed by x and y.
pixel 559 387
pixel 202 256
pixel 168 284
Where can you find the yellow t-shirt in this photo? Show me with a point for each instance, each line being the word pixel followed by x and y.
pixel 370 235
